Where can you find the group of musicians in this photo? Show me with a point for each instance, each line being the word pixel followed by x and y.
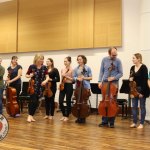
pixel 110 72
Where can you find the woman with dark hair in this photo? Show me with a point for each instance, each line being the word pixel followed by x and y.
pixel 139 74
pixel 82 73
pixel 39 75
pixel 66 89
pixel 53 79
pixel 14 76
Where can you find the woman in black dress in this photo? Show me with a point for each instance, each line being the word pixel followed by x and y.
pixel 53 79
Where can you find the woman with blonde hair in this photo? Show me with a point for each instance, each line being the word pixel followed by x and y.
pixel 139 74
pixel 39 74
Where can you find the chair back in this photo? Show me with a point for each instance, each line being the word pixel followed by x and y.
pixel 25 88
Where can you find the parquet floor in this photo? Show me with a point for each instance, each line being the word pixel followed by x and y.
pixel 58 135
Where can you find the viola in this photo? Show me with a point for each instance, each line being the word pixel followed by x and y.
pixel 47 91
pixel 62 84
pixel 31 87
pixel 81 108
pixel 12 107
pixel 133 89
pixel 108 106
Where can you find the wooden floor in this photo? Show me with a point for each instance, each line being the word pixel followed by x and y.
pixel 58 135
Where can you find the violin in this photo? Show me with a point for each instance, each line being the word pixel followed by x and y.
pixel 31 87
pixel 108 106
pixel 47 91
pixel 62 84
pixel 12 106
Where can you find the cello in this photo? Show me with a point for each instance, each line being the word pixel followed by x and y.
pixel 12 107
pixel 81 109
pixel 108 106
pixel 47 91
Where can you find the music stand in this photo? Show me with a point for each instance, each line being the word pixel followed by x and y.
pixel 126 89
pixel 95 90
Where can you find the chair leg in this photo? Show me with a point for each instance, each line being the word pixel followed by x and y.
pixel 21 105
pixel 122 110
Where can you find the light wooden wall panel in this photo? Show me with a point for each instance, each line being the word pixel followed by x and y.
pixel 43 25
pixel 81 23
pixel 8 26
pixel 107 26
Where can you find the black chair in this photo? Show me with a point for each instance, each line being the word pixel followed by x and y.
pixel 123 103
pixel 126 89
pixel 24 96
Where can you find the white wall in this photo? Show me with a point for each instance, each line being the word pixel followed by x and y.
pixel 131 44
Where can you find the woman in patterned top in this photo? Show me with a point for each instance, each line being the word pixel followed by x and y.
pixel 53 78
pixel 38 72
pixel 14 76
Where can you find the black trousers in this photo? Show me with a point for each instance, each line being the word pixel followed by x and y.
pixel 68 91
pixel 33 104
pixel 50 104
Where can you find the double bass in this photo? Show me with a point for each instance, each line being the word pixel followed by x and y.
pixel 108 106
pixel 81 108
pixel 12 107
pixel 47 91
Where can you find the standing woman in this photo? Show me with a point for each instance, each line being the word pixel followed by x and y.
pixel 14 76
pixel 2 72
pixel 53 78
pixel 139 74
pixel 39 74
pixel 149 80
pixel 66 89
pixel 82 73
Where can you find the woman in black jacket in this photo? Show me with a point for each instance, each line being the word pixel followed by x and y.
pixel 139 74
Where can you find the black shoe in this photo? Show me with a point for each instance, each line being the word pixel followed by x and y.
pixel 103 125
pixel 112 126
pixel 82 120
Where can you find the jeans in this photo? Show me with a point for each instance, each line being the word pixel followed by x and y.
pixel 1 104
pixel 135 109
pixel 106 120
